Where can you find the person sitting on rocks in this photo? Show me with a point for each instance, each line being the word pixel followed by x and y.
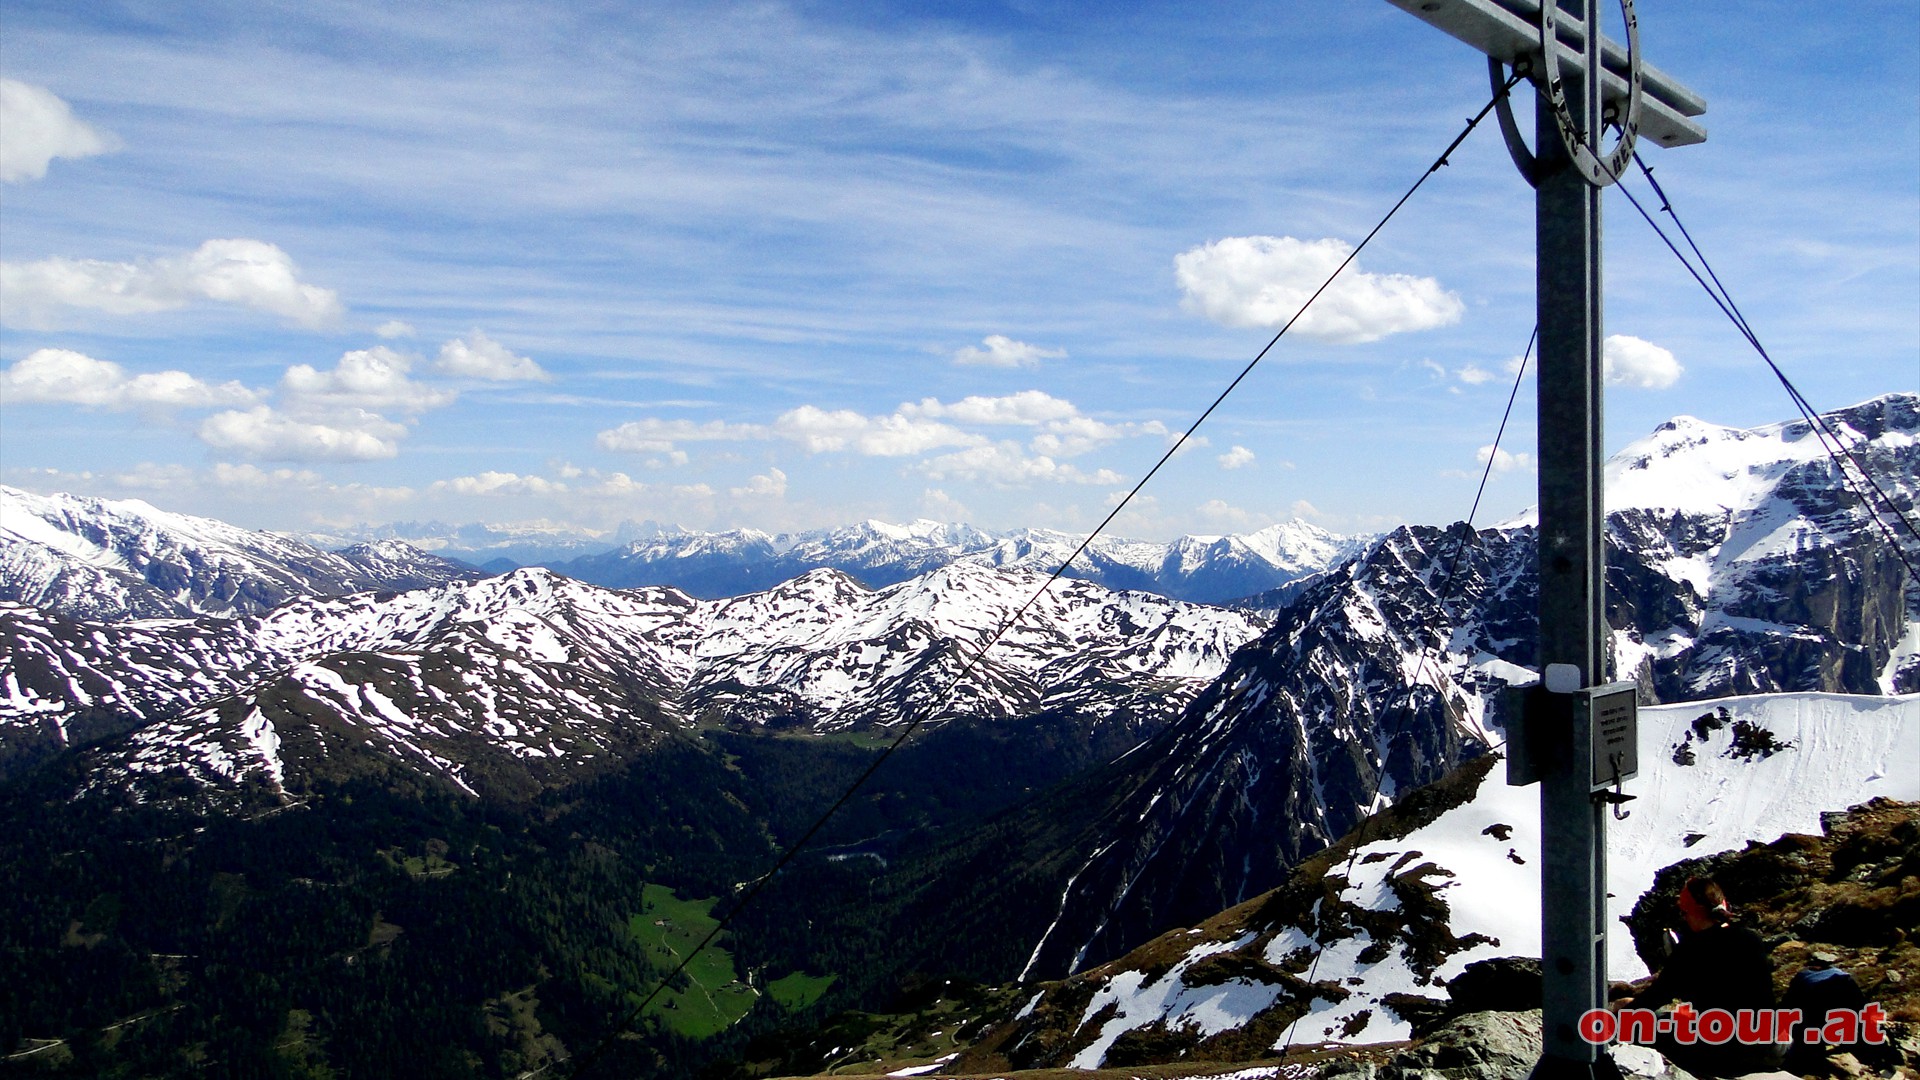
pixel 1717 964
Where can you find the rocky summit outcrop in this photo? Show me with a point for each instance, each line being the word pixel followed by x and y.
pixel 1429 911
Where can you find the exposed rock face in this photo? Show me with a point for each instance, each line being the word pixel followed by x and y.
pixel 1853 892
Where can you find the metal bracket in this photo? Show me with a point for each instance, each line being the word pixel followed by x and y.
pixel 1517 149
pixel 1598 171
pixel 1617 797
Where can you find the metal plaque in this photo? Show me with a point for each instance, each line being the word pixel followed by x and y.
pixel 1612 721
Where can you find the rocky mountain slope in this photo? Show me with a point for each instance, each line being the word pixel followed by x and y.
pixel 1750 569
pixel 109 560
pixel 1363 942
pixel 509 684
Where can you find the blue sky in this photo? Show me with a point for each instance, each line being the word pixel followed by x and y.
pixel 793 265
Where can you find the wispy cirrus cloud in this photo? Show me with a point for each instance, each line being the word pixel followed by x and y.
pixel 251 274
pixel 1264 281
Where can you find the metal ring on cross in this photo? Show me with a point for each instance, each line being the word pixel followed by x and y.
pixel 1598 171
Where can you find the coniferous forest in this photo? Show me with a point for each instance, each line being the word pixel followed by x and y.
pixel 384 926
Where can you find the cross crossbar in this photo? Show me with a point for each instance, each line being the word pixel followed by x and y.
pixel 1509 31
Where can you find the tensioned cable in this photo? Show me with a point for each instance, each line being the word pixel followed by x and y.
pixel 587 1061
pixel 1829 439
pixel 1441 595
pixel 1746 329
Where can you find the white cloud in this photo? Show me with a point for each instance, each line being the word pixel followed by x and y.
pixel 1306 511
pixel 1079 435
pixel 253 477
pixel 1503 462
pixel 1235 458
pixel 251 274
pixel 1264 280
pixel 478 356
pixel 1473 375
pixel 1630 361
pixel 895 435
pixel 1003 351
pixel 1004 464
pixel 375 378
pixel 355 435
pixel 490 482
pixel 1221 512
pixel 62 375
pixel 394 328
pixel 937 505
pixel 652 436
pixel 773 485
pixel 1028 407
pixel 36 127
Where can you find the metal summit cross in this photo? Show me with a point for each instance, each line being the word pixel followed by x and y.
pixel 1555 740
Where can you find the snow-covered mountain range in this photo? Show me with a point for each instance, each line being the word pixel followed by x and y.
pixel 104 559
pixel 1208 569
pixel 516 682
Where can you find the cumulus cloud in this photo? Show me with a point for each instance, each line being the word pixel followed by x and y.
pixel 1221 512
pixel 895 435
pixel 251 274
pixel 652 436
pixel 36 127
pixel 1630 361
pixel 62 375
pixel 1005 464
pixel 913 428
pixel 394 328
pixel 1003 351
pixel 1503 462
pixel 1264 280
pixel 1235 458
pixel 264 432
pixel 772 486
pixel 499 483
pixel 1028 407
pixel 1078 435
pixel 1473 375
pixel 478 356
pixel 376 378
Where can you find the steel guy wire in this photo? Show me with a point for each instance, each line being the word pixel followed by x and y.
pixel 1829 440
